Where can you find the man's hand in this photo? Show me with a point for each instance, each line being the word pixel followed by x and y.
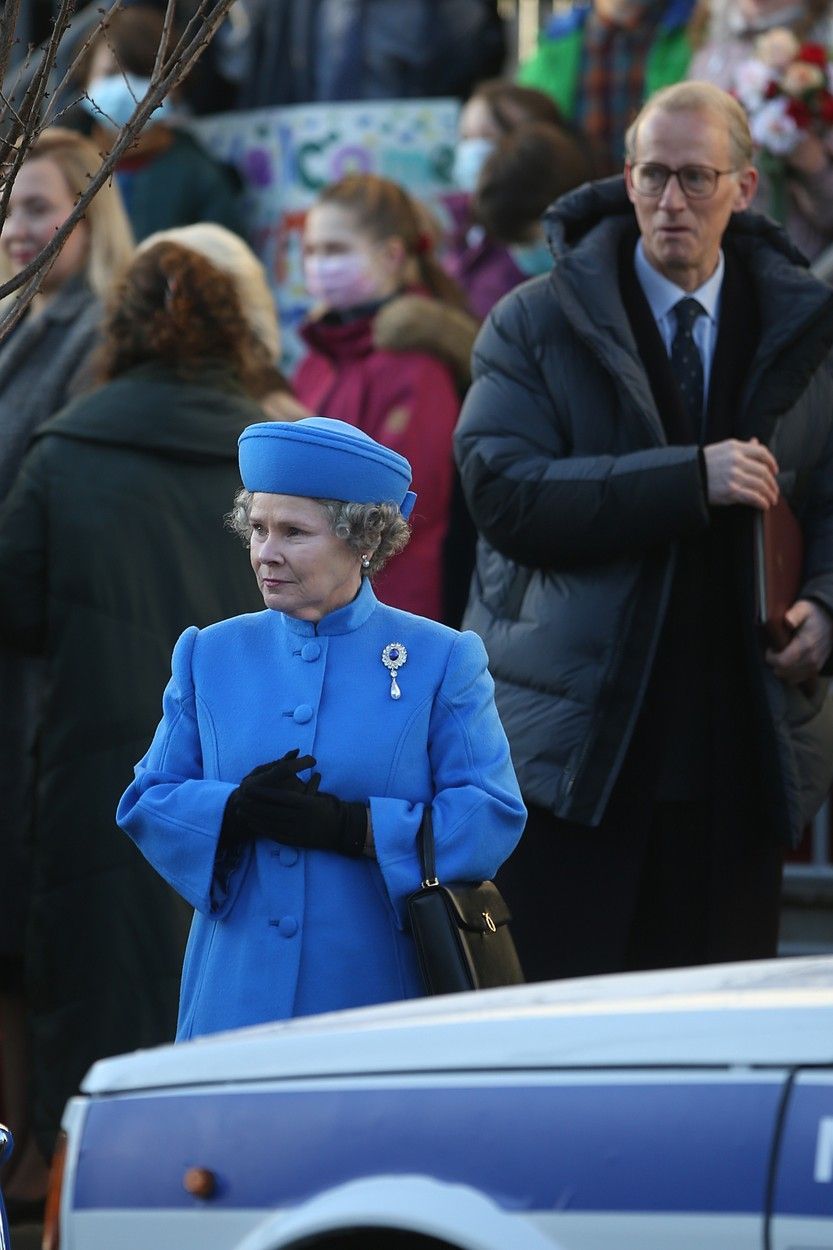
pixel 805 653
pixel 739 472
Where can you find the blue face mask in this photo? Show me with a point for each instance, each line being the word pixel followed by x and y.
pixel 532 258
pixel 113 99
pixel 470 155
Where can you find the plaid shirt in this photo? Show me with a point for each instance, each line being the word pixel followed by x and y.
pixel 612 80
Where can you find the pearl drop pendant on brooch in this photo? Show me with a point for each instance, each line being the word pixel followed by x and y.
pixel 393 657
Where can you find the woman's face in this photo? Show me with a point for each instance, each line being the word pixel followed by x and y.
pixel 301 567
pixel 477 121
pixel 343 266
pixel 39 203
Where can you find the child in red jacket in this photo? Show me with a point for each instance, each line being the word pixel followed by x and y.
pixel 389 347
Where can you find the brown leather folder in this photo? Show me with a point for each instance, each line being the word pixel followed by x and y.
pixel 779 560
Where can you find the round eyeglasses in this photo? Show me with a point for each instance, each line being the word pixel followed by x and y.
pixel 697 182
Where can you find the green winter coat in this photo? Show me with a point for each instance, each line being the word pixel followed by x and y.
pixel 555 65
pixel 111 543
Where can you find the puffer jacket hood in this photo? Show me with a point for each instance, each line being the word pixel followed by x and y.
pixel 571 218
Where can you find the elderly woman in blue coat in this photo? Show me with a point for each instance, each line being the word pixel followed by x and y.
pixel 299 747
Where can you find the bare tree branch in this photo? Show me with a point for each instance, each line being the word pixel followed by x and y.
pixel 167 27
pixel 24 130
pixel 8 107
pixel 167 73
pixel 203 23
pixel 31 108
pixel 8 25
pixel 50 118
pixel 21 70
pixel 25 126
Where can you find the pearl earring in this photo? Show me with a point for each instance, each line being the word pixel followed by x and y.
pixel 365 562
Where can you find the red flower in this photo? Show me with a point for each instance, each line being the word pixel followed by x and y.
pixel 772 90
pixel 800 113
pixel 814 53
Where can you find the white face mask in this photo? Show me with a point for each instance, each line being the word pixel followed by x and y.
pixel 113 99
pixel 470 155
pixel 343 281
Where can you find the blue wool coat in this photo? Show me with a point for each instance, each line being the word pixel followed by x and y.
pixel 278 931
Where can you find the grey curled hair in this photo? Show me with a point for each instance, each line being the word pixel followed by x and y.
pixel 377 529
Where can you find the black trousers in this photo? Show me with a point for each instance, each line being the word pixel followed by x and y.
pixel 656 885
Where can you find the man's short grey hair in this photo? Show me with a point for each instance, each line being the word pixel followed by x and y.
pixel 699 97
pixel 377 529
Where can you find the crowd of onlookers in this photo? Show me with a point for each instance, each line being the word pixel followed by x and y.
pixel 153 341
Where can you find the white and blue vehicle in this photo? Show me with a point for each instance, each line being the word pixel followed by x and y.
pixel 685 1110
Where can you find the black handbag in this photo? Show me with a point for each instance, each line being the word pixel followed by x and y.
pixel 461 931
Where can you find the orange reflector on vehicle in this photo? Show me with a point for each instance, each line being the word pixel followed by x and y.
pixel 200 1182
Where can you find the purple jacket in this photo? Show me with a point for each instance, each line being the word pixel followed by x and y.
pixel 482 267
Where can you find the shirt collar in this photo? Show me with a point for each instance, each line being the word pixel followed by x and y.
pixel 341 621
pixel 662 294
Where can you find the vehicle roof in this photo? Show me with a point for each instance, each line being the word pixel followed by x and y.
pixel 768 1013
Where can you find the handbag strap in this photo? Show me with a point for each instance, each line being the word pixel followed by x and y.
pixel 425 846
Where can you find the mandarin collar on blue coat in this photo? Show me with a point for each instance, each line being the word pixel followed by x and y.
pixel 342 620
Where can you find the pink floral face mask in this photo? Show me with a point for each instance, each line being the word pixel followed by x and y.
pixel 340 282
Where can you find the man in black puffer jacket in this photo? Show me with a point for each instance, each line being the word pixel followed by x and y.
pixel 613 456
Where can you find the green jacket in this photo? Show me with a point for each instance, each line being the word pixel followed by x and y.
pixel 555 65
pixel 111 543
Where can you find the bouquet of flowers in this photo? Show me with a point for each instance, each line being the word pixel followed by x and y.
pixel 787 91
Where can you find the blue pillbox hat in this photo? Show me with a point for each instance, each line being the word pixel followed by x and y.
pixel 323 459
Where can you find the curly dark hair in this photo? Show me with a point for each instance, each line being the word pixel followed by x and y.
pixel 530 167
pixel 512 105
pixel 174 306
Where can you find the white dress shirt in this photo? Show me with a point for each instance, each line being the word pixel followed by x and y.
pixel 662 295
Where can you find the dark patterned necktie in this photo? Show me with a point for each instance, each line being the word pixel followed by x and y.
pixel 687 362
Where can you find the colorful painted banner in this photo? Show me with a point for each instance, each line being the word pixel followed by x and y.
pixel 286 155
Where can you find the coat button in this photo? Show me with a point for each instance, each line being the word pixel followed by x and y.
pixel 288 856
pixel 311 651
pixel 288 926
pixel 302 714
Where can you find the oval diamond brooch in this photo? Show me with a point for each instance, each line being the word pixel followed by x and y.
pixel 393 657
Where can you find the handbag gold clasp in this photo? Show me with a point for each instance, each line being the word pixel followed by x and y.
pixel 489 922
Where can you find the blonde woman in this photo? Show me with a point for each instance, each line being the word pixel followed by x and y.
pixel 43 361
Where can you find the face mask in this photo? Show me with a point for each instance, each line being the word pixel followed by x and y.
pixel 532 258
pixel 344 281
pixel 470 155
pixel 113 99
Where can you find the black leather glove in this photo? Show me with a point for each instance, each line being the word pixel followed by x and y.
pixel 250 808
pixel 317 821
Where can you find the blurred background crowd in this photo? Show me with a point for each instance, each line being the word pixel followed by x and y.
pixel 166 299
